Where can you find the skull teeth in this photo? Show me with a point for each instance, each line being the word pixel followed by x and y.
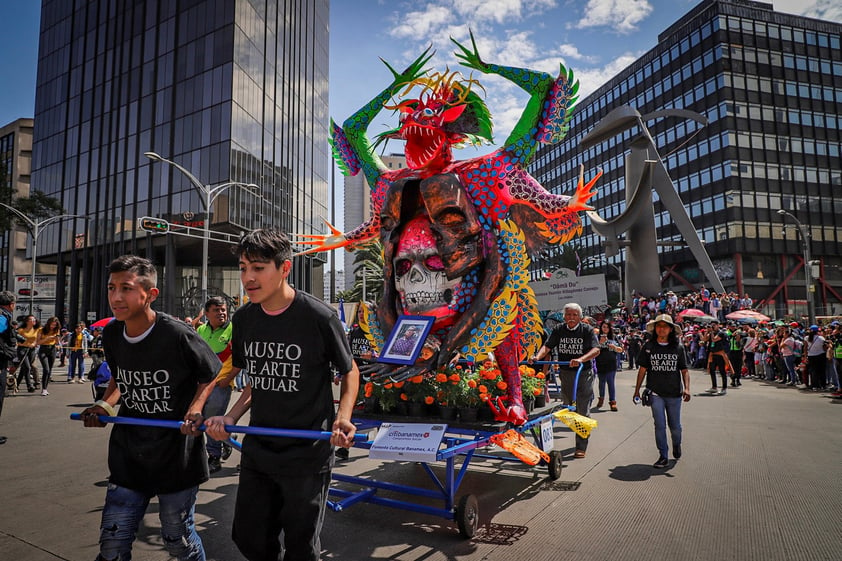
pixel 422 298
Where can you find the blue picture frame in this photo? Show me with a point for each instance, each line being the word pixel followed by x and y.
pixel 406 339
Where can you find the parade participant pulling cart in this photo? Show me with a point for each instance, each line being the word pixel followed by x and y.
pixel 457 446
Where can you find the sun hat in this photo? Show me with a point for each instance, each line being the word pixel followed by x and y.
pixel 814 328
pixel 666 318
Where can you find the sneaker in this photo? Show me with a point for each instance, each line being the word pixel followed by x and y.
pixel 661 463
pixel 227 449
pixel 579 454
pixel 599 402
pixel 713 390
pixel 342 453
pixel 676 451
pixel 45 392
pixel 723 391
pixel 214 465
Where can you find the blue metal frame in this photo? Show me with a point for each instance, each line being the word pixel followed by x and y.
pixel 457 442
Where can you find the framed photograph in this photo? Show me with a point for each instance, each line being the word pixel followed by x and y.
pixel 406 339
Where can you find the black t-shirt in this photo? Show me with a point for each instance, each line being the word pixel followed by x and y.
pixel 663 364
pixel 360 346
pixel 717 346
pixel 158 378
pixel 288 357
pixel 572 343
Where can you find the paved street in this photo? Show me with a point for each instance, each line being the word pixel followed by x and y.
pixel 759 480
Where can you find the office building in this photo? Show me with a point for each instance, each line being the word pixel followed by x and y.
pixel 358 208
pixel 233 91
pixel 770 85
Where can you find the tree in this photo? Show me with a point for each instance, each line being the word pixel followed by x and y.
pixel 368 261
pixel 36 206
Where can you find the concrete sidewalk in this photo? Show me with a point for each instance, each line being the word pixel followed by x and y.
pixel 759 480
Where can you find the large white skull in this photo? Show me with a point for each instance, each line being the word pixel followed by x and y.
pixel 419 272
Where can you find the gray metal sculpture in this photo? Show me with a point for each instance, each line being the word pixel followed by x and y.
pixel 645 171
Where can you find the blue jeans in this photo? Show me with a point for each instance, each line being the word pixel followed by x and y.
pixel 123 511
pixel 790 362
pixel 217 404
pixel 77 365
pixel 666 411
pixel 607 377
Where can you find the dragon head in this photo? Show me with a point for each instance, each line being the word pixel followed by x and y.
pixel 445 114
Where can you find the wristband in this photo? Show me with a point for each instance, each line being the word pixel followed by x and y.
pixel 107 407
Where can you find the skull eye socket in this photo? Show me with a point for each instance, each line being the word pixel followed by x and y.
pixel 428 112
pixel 402 267
pixel 434 263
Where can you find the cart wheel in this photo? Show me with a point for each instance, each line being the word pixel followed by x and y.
pixel 467 516
pixel 554 467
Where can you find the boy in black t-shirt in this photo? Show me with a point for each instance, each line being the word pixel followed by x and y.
pixel 575 342
pixel 287 340
pixel 159 366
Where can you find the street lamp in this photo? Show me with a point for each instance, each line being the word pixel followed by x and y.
pixel 35 229
pixel 210 193
pixel 808 275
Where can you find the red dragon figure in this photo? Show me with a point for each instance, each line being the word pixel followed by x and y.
pixel 457 234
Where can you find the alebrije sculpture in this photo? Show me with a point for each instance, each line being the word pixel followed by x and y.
pixel 457 234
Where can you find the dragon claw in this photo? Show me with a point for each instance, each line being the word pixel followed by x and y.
pixel 514 414
pixel 322 242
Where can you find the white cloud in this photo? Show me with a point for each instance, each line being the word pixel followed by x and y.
pixel 830 10
pixel 500 11
pixel 592 78
pixel 422 24
pixel 570 51
pixel 622 15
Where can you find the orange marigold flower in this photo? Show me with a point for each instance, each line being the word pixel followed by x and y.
pixel 501 385
pixel 454 378
pixel 487 364
pixel 540 375
pixel 537 391
pixel 429 400
pixel 458 367
pixel 472 383
pixel 368 386
pixel 368 392
pixel 483 397
pixel 496 372
pixel 399 384
pixel 416 379
pixel 483 389
pixel 404 397
pixel 388 386
pixel 441 377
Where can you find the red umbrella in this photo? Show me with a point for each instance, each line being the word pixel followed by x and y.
pixel 102 322
pixel 747 314
pixel 691 312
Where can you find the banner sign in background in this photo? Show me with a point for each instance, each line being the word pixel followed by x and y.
pixel 564 286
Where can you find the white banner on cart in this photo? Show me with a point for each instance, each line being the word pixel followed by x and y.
pixel 411 442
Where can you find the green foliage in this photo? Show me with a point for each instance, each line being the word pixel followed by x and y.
pixel 368 259
pixel 37 206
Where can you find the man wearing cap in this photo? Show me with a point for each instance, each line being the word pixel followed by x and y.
pixel 816 358
pixel 664 365
pixel 575 344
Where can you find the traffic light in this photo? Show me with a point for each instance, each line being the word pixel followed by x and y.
pixel 154 225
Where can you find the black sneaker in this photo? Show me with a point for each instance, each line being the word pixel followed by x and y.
pixel 661 463
pixel 342 453
pixel 676 451
pixel 227 449
pixel 214 465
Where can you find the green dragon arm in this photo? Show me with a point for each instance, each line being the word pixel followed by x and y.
pixel 523 140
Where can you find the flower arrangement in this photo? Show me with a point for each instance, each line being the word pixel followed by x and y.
pixel 490 383
pixel 419 389
pixel 532 382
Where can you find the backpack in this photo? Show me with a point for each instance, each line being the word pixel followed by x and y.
pixel 8 339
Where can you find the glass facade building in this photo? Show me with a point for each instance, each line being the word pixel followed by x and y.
pixel 233 91
pixel 770 85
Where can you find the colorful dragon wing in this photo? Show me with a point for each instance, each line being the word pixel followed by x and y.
pixel 342 150
pixel 515 308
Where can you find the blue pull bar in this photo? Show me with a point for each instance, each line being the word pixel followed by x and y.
pixel 260 431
